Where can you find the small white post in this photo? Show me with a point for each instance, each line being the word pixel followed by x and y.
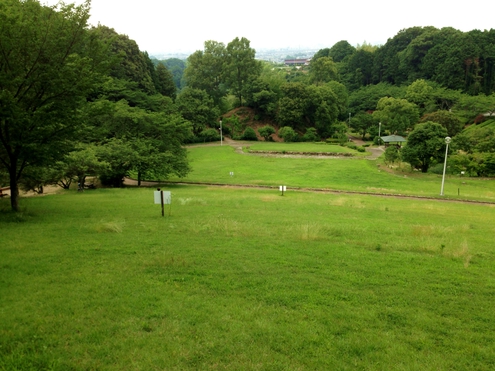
pixel 447 141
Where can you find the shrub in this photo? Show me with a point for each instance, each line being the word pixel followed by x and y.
pixel 266 132
pixel 287 134
pixel 249 134
pixel 311 135
pixel 209 135
pixel 392 154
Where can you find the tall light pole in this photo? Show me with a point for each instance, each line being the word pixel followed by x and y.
pixel 379 131
pixel 447 141
pixel 221 139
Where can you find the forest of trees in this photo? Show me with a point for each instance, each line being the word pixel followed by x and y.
pixel 79 100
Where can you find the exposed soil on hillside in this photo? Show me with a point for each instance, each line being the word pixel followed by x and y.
pixel 247 117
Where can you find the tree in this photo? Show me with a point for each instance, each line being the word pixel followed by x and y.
pixel 48 65
pixel 241 66
pixel 262 98
pixel 420 92
pixel 292 105
pixel 342 98
pixel 470 107
pixel 197 107
pixel 164 81
pixel 133 65
pixel 392 154
pixel 266 132
pixel 362 123
pixel 78 164
pixel 206 70
pixel 425 144
pixel 447 119
pixel 176 67
pixel 322 70
pixel 396 115
pixel 356 70
pixel 321 108
pixel 366 98
pixel 340 50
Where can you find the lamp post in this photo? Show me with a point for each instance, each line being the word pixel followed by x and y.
pixel 447 141
pixel 221 139
pixel 379 131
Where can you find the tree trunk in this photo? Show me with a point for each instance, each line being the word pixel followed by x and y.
pixel 14 189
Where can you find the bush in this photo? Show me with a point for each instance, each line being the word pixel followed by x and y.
pixel 287 134
pixel 209 135
pixel 249 134
pixel 311 135
pixel 392 154
pixel 266 132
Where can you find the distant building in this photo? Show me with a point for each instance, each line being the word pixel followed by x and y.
pixel 297 62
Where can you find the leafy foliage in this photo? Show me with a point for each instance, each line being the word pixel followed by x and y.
pixel 396 115
pixel 249 134
pixel 266 132
pixel 48 65
pixel 287 134
pixel 425 144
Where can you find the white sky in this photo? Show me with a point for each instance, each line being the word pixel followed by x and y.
pixel 164 26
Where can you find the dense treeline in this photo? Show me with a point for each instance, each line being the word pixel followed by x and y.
pixel 79 101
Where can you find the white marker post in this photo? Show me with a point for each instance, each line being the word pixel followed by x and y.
pixel 162 198
pixel 283 189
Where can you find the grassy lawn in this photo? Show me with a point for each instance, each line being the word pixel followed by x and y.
pixel 214 164
pixel 300 147
pixel 246 280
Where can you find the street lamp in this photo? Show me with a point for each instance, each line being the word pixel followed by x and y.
pixel 379 131
pixel 221 139
pixel 447 141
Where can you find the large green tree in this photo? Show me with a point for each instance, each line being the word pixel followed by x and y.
pixel 396 115
pixel 425 145
pixel 48 65
pixel 206 70
pixel 322 70
pixel 164 81
pixel 241 67
pixel 197 107
pixel 447 119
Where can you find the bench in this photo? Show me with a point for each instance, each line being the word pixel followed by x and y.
pixel 4 189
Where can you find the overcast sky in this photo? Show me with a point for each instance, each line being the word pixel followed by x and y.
pixel 164 26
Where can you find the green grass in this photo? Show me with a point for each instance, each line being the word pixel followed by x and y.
pixel 300 147
pixel 240 279
pixel 214 164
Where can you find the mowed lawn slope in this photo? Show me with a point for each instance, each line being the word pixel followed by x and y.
pixel 213 164
pixel 246 279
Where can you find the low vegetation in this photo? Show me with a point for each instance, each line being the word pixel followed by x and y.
pixel 247 280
